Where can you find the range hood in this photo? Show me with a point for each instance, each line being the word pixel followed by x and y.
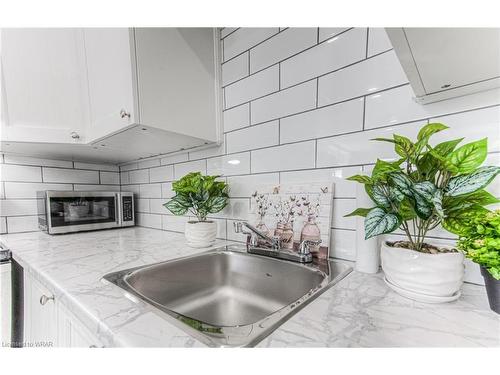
pixel 443 63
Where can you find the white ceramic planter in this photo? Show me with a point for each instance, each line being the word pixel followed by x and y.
pixel 201 233
pixel 423 277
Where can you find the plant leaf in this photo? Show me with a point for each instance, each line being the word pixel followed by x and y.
pixel 430 129
pixel 442 161
pixel 175 207
pixel 469 156
pixel 359 212
pixel 402 182
pixel 360 178
pixel 480 197
pixel 468 183
pixel 382 168
pixel 379 196
pixel 216 204
pixel 437 201
pixel 377 222
pixel 403 146
pixel 458 222
pixel 406 210
pixel 447 147
pixel 426 189
pixel 383 140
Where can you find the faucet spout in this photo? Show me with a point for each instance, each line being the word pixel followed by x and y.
pixel 254 233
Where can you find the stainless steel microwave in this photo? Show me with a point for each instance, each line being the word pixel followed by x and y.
pixel 76 211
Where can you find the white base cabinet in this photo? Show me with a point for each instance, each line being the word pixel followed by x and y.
pixel 48 323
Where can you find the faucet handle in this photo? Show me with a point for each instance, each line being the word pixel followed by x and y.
pixel 304 245
pixel 238 226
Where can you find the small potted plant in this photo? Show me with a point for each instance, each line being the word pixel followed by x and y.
pixel 426 187
pixel 200 195
pixel 480 242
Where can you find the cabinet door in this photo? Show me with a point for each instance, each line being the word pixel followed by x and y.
pixel 44 85
pixel 72 333
pixel 178 80
pixel 40 316
pixel 111 77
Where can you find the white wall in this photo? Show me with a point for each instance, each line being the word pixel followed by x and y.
pixel 302 104
pixel 21 177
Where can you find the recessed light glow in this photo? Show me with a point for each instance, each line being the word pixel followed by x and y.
pixel 372 89
pixel 234 162
pixel 333 39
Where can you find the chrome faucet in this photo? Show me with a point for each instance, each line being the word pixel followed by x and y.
pixel 274 242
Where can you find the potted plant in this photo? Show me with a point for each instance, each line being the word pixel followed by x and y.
pixel 480 242
pixel 200 195
pixel 426 187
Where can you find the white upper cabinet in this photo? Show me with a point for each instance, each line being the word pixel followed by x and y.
pixel 134 93
pixel 111 79
pixel 443 63
pixel 44 85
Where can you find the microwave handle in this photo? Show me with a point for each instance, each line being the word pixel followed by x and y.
pixel 117 210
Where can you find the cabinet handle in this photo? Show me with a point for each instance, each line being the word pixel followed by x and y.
pixel 124 114
pixel 44 299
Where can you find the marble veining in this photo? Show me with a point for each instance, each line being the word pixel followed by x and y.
pixel 360 311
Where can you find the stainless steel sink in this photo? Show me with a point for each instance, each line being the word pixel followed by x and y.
pixel 227 297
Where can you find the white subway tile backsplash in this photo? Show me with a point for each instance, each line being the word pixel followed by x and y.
pixel 156 206
pixel 3 225
pixel 110 178
pixel 208 152
pixel 286 157
pixel 142 205
pixel 244 38
pixel 287 102
pixel 176 158
pixel 131 188
pixel 237 117
pixel 149 220
pixel 29 190
pixel 342 207
pixel 26 160
pixel 328 32
pixel 128 167
pixel 342 188
pixel 150 191
pixel 337 119
pixel 97 167
pixel 124 178
pixel 357 148
pixel 283 45
pixel 235 69
pixel 139 176
pixel 330 55
pixel 166 190
pixel 229 165
pixel 174 223
pixel 18 224
pixel 245 186
pixel 90 187
pixel 182 169
pixel 148 163
pixel 20 173
pixel 398 105
pixel 254 86
pixel 368 76
pixel 378 41
pixel 77 176
pixel 18 207
pixel 227 30
pixel 160 174
pixel 343 244
pixel 258 136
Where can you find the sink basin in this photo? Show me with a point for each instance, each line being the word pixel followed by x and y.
pixel 227 297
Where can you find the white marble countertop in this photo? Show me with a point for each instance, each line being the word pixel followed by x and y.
pixel 360 311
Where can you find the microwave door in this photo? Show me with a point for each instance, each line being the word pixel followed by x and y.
pixel 77 211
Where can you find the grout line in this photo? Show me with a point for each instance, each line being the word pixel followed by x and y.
pixel 364 112
pixel 298 53
pixel 367 39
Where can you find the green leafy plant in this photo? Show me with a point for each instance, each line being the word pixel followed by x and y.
pixel 480 240
pixel 427 186
pixel 198 194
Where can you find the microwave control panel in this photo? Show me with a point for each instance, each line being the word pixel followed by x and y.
pixel 128 207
